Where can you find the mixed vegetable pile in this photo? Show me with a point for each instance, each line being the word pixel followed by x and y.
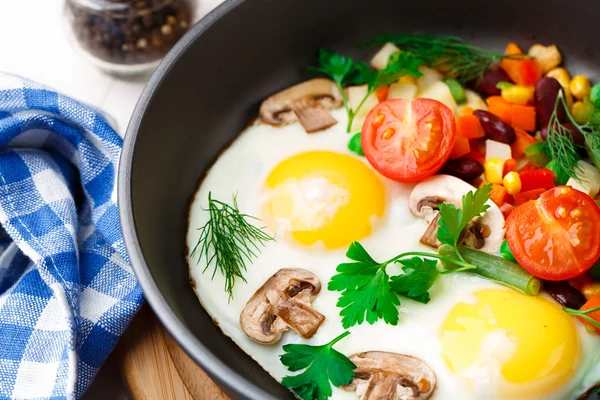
pixel 515 126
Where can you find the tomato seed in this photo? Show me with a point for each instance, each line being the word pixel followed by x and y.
pixel 389 133
pixel 378 121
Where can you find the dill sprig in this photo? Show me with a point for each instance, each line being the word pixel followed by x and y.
pixel 559 142
pixel 449 54
pixel 228 240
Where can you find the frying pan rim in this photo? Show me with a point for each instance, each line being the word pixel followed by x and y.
pixel 227 378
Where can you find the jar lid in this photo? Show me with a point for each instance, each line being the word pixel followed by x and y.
pixel 104 5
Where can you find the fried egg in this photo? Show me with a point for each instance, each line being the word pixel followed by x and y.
pixel 483 341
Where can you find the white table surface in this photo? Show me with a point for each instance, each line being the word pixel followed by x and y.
pixel 33 44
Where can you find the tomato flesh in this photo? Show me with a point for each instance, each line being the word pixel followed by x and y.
pixel 557 236
pixel 407 141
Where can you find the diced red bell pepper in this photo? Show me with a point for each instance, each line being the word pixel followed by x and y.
pixel 521 70
pixel 541 178
pixel 500 108
pixel 506 209
pixel 592 302
pixel 476 155
pixel 524 197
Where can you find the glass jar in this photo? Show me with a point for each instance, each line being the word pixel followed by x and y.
pixel 127 36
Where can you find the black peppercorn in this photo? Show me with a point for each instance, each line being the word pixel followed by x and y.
pixel 128 32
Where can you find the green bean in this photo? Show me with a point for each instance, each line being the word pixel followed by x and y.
pixel 495 268
pixel 456 90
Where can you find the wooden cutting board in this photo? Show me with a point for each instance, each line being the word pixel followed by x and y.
pixel 153 366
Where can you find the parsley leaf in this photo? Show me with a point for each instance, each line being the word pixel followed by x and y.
pixel 419 275
pixel 365 287
pixel 321 364
pixel 452 221
pixel 344 70
pixel 355 145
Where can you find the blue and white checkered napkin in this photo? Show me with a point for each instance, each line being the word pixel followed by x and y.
pixel 67 290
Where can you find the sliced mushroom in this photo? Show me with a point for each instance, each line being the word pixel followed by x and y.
pixel 308 102
pixel 485 233
pixel 281 303
pixel 391 376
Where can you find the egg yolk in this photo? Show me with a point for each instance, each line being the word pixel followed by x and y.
pixel 510 345
pixel 323 196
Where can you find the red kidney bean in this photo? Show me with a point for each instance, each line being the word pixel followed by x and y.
pixel 495 128
pixel 488 81
pixel 464 168
pixel 565 294
pixel 546 91
pixel 575 132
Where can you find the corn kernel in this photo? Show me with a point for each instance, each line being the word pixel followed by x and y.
pixel 518 94
pixel 580 87
pixel 407 79
pixel 563 77
pixel 512 182
pixel 582 111
pixel 493 170
pixel 591 289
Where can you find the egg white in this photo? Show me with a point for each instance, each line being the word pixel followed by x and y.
pixel 242 169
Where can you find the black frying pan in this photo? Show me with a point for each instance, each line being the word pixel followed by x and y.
pixel 210 86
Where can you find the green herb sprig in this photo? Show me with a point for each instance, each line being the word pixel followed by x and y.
pixel 344 70
pixel 449 54
pixel 453 221
pixel 321 364
pixel 228 240
pixel 369 294
pixel 584 314
pixel 559 143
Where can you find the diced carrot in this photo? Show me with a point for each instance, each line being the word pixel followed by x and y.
pixel 476 155
pixel 521 70
pixel 523 141
pixel 468 126
pixel 506 209
pixel 461 147
pixel 541 178
pixel 510 165
pixel 467 110
pixel 500 108
pixel 523 117
pixel 498 194
pixel 593 302
pixel 382 93
pixel 524 197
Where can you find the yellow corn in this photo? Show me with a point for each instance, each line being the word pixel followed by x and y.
pixel 408 79
pixel 563 77
pixel 512 182
pixel 591 289
pixel 518 94
pixel 582 111
pixel 580 87
pixel 493 170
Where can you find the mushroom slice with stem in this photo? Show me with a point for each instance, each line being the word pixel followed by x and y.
pixel 281 303
pixel 485 233
pixel 391 376
pixel 307 102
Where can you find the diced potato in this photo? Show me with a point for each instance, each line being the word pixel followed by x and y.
pixel 439 91
pixel 380 60
pixel 547 56
pixel 498 150
pixel 406 91
pixel 429 77
pixel 590 179
pixel 355 95
pixel 474 100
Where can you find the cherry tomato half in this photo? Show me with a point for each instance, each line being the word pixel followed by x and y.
pixel 557 236
pixel 407 141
